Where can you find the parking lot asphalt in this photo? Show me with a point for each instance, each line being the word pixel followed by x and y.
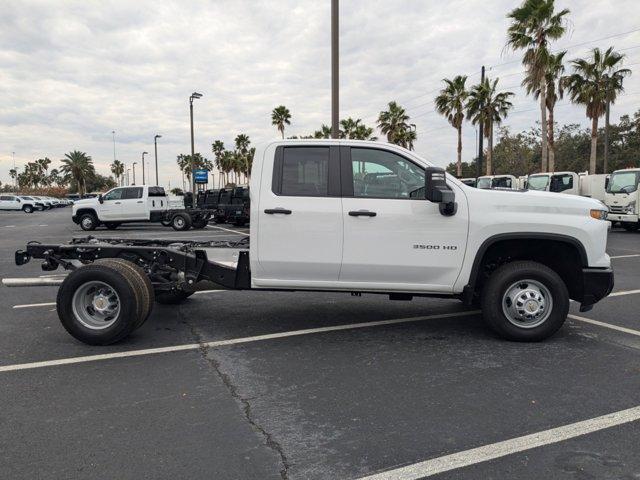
pixel 312 386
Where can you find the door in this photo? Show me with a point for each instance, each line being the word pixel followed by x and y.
pixel 8 202
pixel 394 239
pixel 111 206
pixel 134 206
pixel 300 218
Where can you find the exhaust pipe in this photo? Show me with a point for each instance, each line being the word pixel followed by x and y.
pixel 32 282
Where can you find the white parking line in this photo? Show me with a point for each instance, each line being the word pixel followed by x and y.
pixel 625 256
pixel 605 325
pixel 507 447
pixel 624 292
pixel 30 305
pixel 232 341
pixel 228 230
pixel 9 226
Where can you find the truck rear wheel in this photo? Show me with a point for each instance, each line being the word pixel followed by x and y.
pixel 200 223
pixel 99 304
pixel 173 297
pixel 27 209
pixel 143 284
pixel 88 222
pixel 525 301
pixel 181 221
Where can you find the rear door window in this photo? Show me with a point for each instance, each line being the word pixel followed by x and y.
pixel 132 193
pixel 304 172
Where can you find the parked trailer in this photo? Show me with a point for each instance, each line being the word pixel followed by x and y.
pixel 319 226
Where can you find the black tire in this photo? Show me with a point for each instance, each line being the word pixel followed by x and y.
pixel 130 303
pixel 181 222
pixel 505 279
pixel 27 209
pixel 199 223
pixel 112 225
pixel 631 227
pixel 88 222
pixel 172 298
pixel 143 284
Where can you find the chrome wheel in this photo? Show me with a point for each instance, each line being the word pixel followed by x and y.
pixel 96 305
pixel 527 303
pixel 87 222
pixel 178 222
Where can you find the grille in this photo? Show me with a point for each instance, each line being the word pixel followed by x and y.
pixel 617 209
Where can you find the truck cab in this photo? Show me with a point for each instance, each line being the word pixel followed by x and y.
pixel 508 182
pixel 622 197
pixel 558 182
pixel 121 205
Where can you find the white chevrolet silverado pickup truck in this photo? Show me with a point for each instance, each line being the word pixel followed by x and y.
pixel 355 217
pixel 135 204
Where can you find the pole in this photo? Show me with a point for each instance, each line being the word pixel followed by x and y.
pixel 193 174
pixel 143 167
pixel 113 133
pixel 15 180
pixel 134 172
pixel 155 146
pixel 335 64
pixel 606 139
pixel 480 136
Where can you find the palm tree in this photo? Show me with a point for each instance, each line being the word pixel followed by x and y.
pixel 78 166
pixel 613 86
pixel 117 168
pixel 280 117
pixel 13 173
pixel 393 122
pixel 324 132
pixel 595 82
pixel 554 92
pixel 451 104
pixel 407 136
pixel 533 25
pixel 489 107
pixel 242 142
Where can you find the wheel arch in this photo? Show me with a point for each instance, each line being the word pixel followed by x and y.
pixel 84 211
pixel 564 254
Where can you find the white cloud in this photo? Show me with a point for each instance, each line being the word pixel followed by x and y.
pixel 71 72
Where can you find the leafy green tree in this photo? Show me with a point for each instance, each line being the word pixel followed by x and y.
pixel 451 103
pixel 78 166
pixel 117 168
pixel 394 123
pixel 591 85
pixel 488 107
pixel 280 116
pixel 533 25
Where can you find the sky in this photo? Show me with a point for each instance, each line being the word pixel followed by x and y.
pixel 72 72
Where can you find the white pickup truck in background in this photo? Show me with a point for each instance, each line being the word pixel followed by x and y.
pixel 135 204
pixel 356 217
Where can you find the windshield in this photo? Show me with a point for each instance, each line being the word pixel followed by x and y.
pixel 623 182
pixel 501 182
pixel 484 183
pixel 26 198
pixel 538 182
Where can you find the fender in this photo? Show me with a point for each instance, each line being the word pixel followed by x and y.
pixel 574 242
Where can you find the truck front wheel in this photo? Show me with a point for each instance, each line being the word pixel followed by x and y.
pixel 525 301
pixel 88 222
pixel 99 304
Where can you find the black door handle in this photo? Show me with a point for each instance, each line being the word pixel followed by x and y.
pixel 362 213
pixel 281 211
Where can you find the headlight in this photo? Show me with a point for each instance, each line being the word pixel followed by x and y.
pixel 598 214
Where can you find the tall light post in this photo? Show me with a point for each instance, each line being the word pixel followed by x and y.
pixel 133 165
pixel 335 65
pixel 155 146
pixel 128 170
pixel 15 180
pixel 193 96
pixel 143 154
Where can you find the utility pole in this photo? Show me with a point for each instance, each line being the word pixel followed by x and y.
pixel 15 180
pixel 134 172
pixel 128 170
pixel 193 155
pixel 143 154
pixel 335 66
pixel 480 135
pixel 155 145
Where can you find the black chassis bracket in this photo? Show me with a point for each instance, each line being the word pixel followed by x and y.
pixel 192 262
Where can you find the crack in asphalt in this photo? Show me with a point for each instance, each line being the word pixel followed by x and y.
pixel 271 443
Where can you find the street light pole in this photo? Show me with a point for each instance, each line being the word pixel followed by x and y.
pixel 15 180
pixel 128 170
pixel 335 65
pixel 134 172
pixel 143 154
pixel 193 96
pixel 480 136
pixel 155 145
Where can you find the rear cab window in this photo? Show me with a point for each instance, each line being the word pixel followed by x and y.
pixel 302 171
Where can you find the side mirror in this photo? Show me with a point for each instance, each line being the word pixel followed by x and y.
pixel 436 190
pixel 100 199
